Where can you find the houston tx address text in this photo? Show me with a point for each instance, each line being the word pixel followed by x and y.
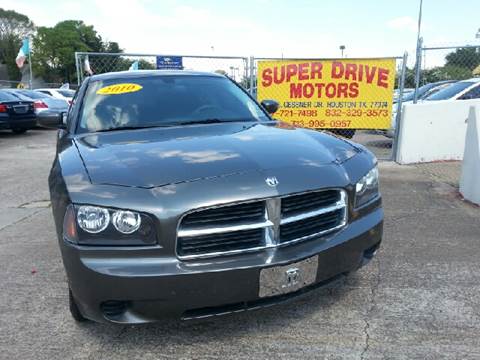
pixel 331 93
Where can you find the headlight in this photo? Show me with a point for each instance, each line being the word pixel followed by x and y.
pixel 92 219
pixel 95 225
pixel 367 188
pixel 126 222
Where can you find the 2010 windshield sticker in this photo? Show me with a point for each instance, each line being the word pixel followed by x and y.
pixel 117 89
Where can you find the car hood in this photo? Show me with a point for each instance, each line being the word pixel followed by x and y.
pixel 160 156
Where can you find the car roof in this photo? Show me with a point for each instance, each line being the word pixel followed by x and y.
pixel 477 79
pixel 441 82
pixel 19 90
pixel 150 73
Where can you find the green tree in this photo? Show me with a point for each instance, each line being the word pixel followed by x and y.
pixel 447 72
pixel 13 28
pixel 464 58
pixel 54 50
pixel 146 65
pixel 409 78
pixel 111 47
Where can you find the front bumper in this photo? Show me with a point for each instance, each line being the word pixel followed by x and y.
pixel 49 114
pixel 142 287
pixel 21 123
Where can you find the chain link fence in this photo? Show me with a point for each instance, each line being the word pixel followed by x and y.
pixel 443 66
pixel 24 85
pixel 450 63
pixel 378 134
pixel 7 84
pixel 98 63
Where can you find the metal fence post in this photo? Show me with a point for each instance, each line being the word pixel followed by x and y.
pixel 399 107
pixel 78 69
pixel 418 65
pixel 246 80
pixel 252 74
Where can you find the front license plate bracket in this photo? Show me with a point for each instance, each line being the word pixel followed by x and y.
pixel 279 280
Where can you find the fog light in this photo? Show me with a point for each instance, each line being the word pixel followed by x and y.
pixel 92 219
pixel 126 222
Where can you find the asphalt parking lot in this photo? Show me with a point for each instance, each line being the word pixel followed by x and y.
pixel 418 299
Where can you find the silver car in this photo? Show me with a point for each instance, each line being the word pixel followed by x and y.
pixel 45 105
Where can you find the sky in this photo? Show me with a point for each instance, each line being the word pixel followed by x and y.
pixel 266 28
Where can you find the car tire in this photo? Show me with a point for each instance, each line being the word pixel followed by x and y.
pixel 74 310
pixel 19 131
pixel 346 133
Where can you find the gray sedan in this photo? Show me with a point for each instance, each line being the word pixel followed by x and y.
pixel 175 194
pixel 45 105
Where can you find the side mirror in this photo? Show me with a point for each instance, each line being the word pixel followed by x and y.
pixel 270 105
pixel 52 121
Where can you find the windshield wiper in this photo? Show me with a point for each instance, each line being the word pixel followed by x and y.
pixel 202 121
pixel 209 121
pixel 129 128
pixel 187 122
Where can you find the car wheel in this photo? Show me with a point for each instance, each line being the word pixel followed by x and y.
pixel 346 133
pixel 74 310
pixel 19 131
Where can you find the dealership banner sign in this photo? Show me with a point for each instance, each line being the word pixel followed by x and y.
pixel 341 93
pixel 169 63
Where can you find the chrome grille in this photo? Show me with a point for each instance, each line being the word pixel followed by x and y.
pixel 246 212
pixel 221 242
pixel 257 225
pixel 310 226
pixel 295 204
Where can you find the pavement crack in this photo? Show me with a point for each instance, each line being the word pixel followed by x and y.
pixel 36 204
pixel 22 219
pixel 367 339
pixel 371 308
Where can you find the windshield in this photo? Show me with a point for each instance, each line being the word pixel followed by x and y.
pixel 6 96
pixel 32 94
pixel 421 91
pixel 450 91
pixel 164 101
pixel 434 90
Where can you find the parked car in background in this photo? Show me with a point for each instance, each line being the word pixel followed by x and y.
pixel 440 85
pixel 424 92
pixel 461 90
pixel 406 92
pixel 64 94
pixel 45 105
pixel 16 114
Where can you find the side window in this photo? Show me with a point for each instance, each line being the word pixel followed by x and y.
pixel 71 109
pixel 472 94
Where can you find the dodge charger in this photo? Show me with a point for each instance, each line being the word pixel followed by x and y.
pixel 176 194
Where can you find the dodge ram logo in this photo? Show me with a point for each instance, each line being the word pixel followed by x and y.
pixel 271 181
pixel 292 277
